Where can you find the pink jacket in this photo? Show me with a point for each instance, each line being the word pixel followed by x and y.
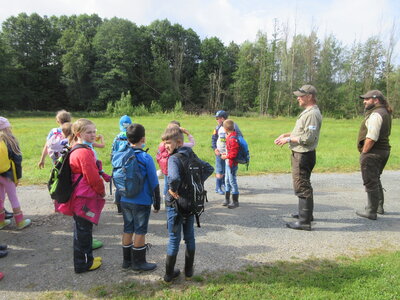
pixel 87 199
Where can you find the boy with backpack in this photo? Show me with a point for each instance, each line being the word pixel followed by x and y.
pixel 180 202
pixel 232 151
pixel 119 144
pixel 136 179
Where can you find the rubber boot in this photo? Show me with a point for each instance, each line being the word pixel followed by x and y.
pixel 227 198
pixel 305 214
pixel 3 221
pixel 381 198
pixel 235 201
pixel 170 271
pixel 189 259
pixel 218 186
pixel 139 262
pixel 20 221
pixel 372 206
pixel 127 256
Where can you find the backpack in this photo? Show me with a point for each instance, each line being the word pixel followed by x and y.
pixel 127 173
pixel 119 144
pixel 243 156
pixel 5 163
pixel 191 191
pixel 162 158
pixel 60 184
pixel 55 145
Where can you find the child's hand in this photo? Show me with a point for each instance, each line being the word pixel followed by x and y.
pixel 106 177
pixel 41 164
pixel 216 151
pixel 223 156
pixel 99 137
pixel 184 130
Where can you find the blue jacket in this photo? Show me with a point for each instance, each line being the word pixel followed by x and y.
pixel 175 170
pixel 151 188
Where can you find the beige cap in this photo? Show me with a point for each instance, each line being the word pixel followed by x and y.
pixel 305 90
pixel 373 94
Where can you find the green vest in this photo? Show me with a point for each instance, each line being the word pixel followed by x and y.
pixel 383 141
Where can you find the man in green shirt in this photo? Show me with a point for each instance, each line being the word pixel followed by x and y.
pixel 303 141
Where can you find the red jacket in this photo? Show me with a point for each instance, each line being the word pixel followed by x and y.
pixel 87 199
pixel 232 148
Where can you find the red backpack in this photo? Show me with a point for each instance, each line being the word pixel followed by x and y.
pixel 162 158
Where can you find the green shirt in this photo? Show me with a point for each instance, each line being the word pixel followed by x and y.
pixel 307 128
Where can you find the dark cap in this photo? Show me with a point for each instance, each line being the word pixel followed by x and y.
pixel 373 94
pixel 221 114
pixel 305 90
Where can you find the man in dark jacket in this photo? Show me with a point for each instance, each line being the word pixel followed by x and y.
pixel 373 144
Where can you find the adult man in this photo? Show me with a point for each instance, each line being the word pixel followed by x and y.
pixel 373 144
pixel 218 143
pixel 303 141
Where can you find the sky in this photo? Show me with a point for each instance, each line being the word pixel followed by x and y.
pixel 236 20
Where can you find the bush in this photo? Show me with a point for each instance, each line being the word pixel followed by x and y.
pixel 121 107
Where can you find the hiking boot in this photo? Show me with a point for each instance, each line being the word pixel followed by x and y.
pixel 20 221
pixel 235 201
pixel 296 216
pixel 139 262
pixel 299 226
pixel 96 244
pixel 127 256
pixel 3 253
pixel 189 259
pixel 227 198
pixel 170 271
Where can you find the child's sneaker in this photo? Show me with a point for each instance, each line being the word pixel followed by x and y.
pixel 96 244
pixel 21 222
pixel 4 223
pixel 96 264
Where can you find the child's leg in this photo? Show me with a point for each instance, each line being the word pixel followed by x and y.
pixel 127 242
pixel 219 173
pixel 235 189
pixel 11 190
pixel 188 236
pixel 83 253
pixel 174 224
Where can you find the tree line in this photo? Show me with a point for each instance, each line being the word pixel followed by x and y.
pixel 86 63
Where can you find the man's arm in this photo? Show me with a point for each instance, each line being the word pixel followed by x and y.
pixel 368 144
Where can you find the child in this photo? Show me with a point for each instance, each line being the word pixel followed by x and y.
pixel 87 200
pixel 163 155
pixel 232 150
pixel 62 117
pixel 173 138
pixel 119 143
pixel 136 211
pixel 9 179
pixel 58 142
pixel 218 143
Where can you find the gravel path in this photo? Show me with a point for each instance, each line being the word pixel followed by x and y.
pixel 40 257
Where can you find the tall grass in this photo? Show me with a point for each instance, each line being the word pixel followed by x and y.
pixel 336 151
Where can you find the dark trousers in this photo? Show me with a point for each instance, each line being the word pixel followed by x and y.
pixel 302 166
pixel 83 253
pixel 372 165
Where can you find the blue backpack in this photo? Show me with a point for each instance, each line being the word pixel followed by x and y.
pixel 243 156
pixel 127 173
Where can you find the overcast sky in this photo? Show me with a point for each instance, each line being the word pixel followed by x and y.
pixel 234 20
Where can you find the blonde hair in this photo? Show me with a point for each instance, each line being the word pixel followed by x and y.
pixel 66 129
pixel 10 140
pixel 78 126
pixel 172 133
pixel 63 116
pixel 229 125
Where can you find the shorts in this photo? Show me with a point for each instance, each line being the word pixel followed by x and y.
pixel 136 217
pixel 219 165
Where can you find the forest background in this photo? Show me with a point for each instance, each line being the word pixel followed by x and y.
pixel 86 63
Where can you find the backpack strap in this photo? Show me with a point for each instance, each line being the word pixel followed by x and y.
pixel 78 146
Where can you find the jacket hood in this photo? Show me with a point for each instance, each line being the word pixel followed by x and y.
pixel 185 151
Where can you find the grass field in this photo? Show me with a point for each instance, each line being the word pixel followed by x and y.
pixel 336 151
pixel 374 277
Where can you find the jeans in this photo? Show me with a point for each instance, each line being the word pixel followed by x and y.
pixel 219 165
pixel 173 218
pixel 230 179
pixel 136 217
pixel 83 253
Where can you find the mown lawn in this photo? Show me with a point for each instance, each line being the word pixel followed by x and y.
pixel 336 152
pixel 373 277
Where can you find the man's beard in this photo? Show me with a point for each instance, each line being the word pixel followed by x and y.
pixel 369 107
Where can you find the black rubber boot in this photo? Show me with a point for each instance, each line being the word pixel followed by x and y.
pixel 119 209
pixel 170 271
pixel 9 215
pixel 227 198
pixel 372 206
pixel 127 256
pixel 381 198
pixel 235 201
pixel 139 262
pixel 305 215
pixel 189 259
